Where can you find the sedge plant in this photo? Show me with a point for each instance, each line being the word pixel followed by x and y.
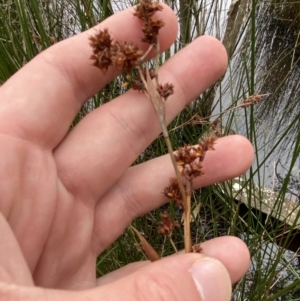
pixel 126 56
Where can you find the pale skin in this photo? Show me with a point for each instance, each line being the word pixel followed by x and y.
pixel 65 196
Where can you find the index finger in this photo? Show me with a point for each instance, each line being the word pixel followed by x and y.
pixel 40 101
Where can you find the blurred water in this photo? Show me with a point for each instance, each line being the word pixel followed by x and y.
pixel 277 71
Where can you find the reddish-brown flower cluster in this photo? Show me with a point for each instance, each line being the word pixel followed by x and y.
pixel 189 160
pixel 165 90
pixel 196 249
pixel 145 11
pixel 106 52
pixel 172 192
pixel 127 56
pixel 206 145
pixel 166 224
pixel 101 44
pixel 253 99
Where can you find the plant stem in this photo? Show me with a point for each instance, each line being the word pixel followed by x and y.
pixel 146 53
pixel 173 245
pixel 157 46
pixel 186 198
pixel 178 175
pixel 160 110
pixel 159 106
pixel 187 220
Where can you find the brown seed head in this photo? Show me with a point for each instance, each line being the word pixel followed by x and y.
pixel 165 90
pixel 210 141
pixel 197 249
pixel 100 41
pixel 102 60
pixel 125 56
pixel 173 192
pixel 151 29
pixel 185 155
pixel 189 158
pixel 253 99
pixel 206 144
pixel 147 8
pixel 196 169
pixel 192 170
pixel 166 224
pixel 145 11
pixel 107 52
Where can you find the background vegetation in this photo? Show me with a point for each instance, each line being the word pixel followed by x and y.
pixel 262 41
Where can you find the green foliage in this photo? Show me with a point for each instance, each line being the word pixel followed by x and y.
pixel 258 64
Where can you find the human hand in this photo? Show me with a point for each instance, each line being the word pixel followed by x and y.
pixel 66 196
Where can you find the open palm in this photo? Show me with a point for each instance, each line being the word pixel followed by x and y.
pixel 65 195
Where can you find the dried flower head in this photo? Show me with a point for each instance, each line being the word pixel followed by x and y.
pixel 145 11
pixel 106 52
pixel 193 170
pixel 125 56
pixel 165 90
pixel 147 8
pixel 187 154
pixel 197 249
pixel 101 43
pixel 166 224
pixel 189 161
pixel 207 144
pixel 173 192
pixel 253 99
pixel 151 29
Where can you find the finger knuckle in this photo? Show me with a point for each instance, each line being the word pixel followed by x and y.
pixel 156 286
pixel 9 292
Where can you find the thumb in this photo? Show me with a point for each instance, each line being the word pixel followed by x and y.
pixel 183 277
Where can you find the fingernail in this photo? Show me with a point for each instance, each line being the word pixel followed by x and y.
pixel 212 280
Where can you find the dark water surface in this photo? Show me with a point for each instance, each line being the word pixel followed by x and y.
pixel 277 71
